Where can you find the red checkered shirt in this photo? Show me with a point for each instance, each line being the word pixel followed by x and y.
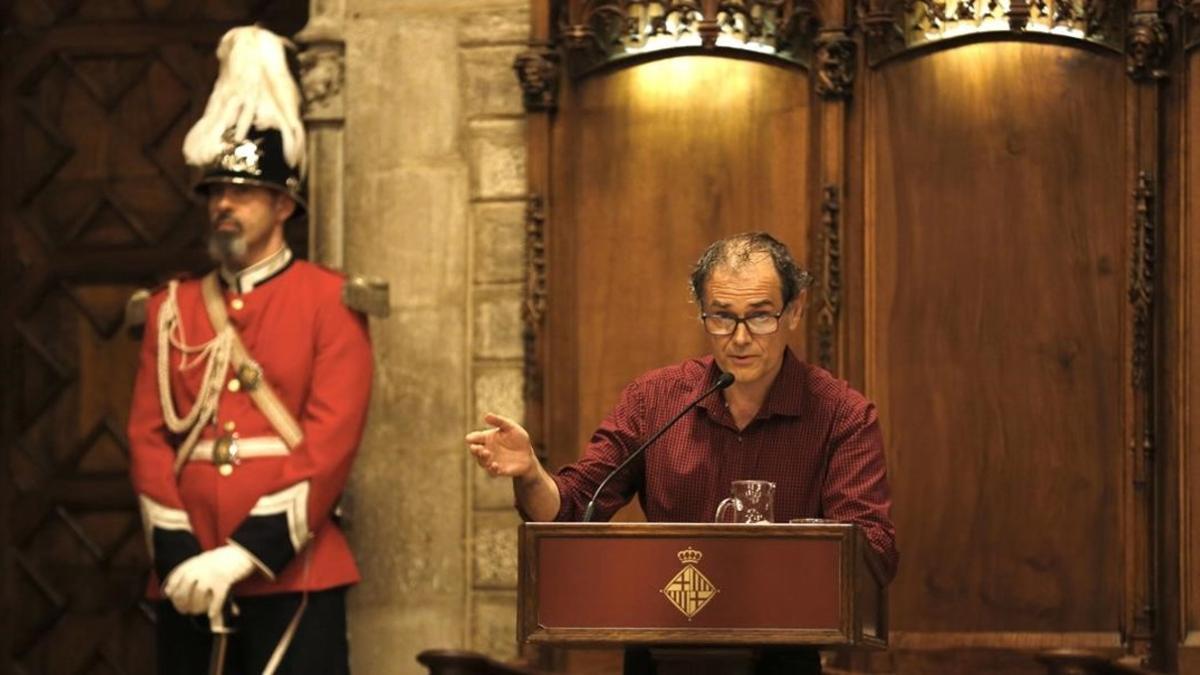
pixel 809 419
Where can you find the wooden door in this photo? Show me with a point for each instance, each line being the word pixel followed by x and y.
pixel 996 229
pixel 94 202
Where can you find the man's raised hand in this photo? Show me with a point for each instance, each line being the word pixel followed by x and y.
pixel 504 450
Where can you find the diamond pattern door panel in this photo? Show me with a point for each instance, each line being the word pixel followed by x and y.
pixel 97 95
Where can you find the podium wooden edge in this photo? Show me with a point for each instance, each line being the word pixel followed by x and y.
pixel 861 568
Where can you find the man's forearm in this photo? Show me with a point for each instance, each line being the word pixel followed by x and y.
pixel 538 495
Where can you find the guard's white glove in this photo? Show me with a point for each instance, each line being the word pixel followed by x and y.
pixel 201 583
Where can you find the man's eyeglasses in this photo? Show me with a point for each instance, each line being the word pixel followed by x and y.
pixel 758 323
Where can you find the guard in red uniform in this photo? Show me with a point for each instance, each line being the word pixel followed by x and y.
pixel 249 404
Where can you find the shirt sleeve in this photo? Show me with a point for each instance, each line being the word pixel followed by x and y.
pixel 618 435
pixel 302 497
pixel 856 487
pixel 169 534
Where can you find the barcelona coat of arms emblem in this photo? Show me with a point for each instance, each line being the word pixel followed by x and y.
pixel 689 590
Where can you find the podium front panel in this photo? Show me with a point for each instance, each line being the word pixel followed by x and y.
pixel 691 584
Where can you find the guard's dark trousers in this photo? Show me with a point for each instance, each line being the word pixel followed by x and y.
pixel 185 645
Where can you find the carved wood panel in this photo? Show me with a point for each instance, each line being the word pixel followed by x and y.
pixel 96 201
pixel 995 309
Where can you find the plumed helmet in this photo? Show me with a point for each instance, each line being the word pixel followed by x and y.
pixel 251 132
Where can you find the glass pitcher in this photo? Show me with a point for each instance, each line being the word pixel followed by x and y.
pixel 752 501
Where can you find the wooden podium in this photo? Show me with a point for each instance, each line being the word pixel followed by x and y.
pixel 699 584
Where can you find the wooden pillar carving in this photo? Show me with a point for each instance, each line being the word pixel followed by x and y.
pixel 533 312
pixel 1147 41
pixel 835 65
pixel 538 71
pixel 827 261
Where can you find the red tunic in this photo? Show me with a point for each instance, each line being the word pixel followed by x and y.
pixel 316 354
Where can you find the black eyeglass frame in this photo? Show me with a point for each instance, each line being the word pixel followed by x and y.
pixel 741 320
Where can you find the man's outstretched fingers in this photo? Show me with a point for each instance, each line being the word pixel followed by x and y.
pixel 499 421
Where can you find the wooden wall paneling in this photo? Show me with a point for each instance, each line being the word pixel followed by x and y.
pixel 1070 285
pixel 1188 420
pixel 856 156
pixel 1172 344
pixel 561 356
pixel 1148 39
pixel 995 240
pixel 837 258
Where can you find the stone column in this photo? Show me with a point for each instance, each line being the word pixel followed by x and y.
pixel 489 41
pixel 432 171
pixel 323 75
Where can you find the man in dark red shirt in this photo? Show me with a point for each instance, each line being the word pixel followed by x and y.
pixel 782 420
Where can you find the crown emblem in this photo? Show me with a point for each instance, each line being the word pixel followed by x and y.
pixel 689 590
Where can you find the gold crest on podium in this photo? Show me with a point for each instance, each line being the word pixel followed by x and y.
pixel 689 590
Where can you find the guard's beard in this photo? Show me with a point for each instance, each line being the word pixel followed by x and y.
pixel 227 248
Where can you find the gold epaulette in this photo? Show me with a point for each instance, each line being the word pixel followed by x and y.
pixel 369 295
pixel 135 308
pixel 138 302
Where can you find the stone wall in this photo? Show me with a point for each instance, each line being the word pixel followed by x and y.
pixel 495 133
pixel 433 185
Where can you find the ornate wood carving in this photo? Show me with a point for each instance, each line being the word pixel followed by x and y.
pixel 1142 444
pixel 883 31
pixel 894 26
pixel 533 311
pixel 1148 44
pixel 829 278
pixel 1019 13
pixel 538 71
pixel 835 60
pixel 594 32
pixel 1141 280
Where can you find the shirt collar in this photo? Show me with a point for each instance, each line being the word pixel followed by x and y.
pixel 245 280
pixel 785 397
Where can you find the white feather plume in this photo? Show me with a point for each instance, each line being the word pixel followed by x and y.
pixel 254 88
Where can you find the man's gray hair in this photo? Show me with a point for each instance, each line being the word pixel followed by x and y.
pixel 742 249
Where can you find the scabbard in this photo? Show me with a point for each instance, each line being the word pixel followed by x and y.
pixel 216 662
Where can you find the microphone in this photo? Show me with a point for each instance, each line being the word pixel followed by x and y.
pixel 723 381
